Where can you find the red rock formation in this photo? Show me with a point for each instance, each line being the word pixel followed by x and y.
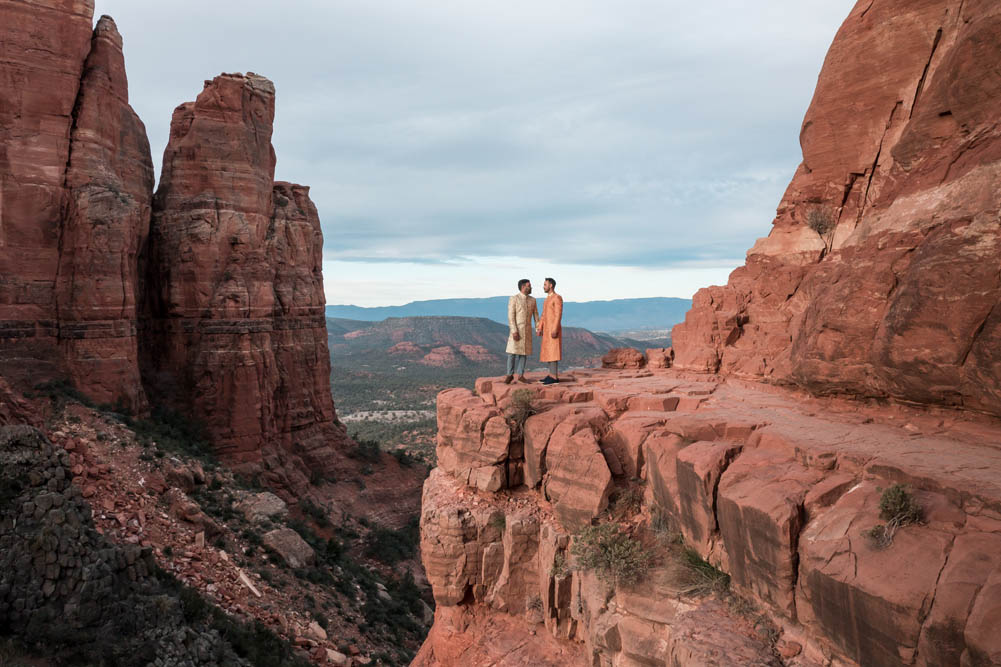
pixel 76 181
pixel 477 354
pixel 902 159
pixel 772 486
pixel 405 348
pixel 443 356
pixel 238 336
pixel 105 225
pixel 623 357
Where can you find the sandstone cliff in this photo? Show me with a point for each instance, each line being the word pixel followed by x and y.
pixel 237 335
pixel 75 188
pixel 211 299
pixel 897 295
pixel 774 488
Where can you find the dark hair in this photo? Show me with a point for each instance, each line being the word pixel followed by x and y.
pixel 551 282
pixel 521 283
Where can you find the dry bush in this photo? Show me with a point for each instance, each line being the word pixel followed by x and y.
pixel 898 507
pixel 519 411
pixel 615 557
pixel 820 220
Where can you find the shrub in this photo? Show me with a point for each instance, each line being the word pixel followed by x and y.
pixel 391 546
pixel 560 566
pixel 403 457
pixel 519 411
pixel 498 521
pixel 173 431
pixel 615 557
pixel 898 507
pixel 626 503
pixel 60 392
pixel 704 577
pixel 315 512
pixel 366 450
pixel 820 220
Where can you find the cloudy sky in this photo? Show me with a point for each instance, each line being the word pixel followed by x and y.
pixel 631 148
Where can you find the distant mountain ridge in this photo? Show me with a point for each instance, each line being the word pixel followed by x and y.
pixel 471 341
pixel 613 315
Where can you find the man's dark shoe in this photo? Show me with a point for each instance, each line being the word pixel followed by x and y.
pixel 523 379
pixel 550 380
pixel 508 378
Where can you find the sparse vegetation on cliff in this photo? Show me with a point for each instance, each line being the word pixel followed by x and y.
pixel 519 411
pixel 615 557
pixel 820 220
pixel 898 507
pixel 704 577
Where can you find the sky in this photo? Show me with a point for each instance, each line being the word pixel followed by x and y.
pixel 629 149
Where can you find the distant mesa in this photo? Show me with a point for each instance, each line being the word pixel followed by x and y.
pixel 451 342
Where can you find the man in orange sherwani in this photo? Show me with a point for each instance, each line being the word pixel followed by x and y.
pixel 550 327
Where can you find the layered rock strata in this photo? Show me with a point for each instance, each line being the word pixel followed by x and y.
pixel 76 183
pixel 775 488
pixel 880 274
pixel 237 334
pixel 211 300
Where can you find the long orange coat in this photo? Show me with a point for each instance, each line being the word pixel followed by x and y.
pixel 552 316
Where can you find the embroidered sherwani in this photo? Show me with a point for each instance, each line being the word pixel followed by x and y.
pixel 552 315
pixel 521 312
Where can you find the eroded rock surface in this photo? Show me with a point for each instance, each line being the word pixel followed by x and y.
pixel 901 160
pixel 76 182
pixel 236 334
pixel 774 487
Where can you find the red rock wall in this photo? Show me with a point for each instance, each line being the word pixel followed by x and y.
pixel 774 487
pixel 75 189
pixel 223 300
pixel 902 152
pixel 109 182
pixel 235 301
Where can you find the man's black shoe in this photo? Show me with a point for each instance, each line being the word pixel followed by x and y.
pixel 549 380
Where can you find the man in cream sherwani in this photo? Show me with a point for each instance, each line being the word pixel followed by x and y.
pixel 521 314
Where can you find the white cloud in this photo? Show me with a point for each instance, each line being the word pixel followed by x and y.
pixel 641 133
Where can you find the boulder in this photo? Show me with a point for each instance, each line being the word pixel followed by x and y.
pixel 258 507
pixel 760 515
pixel 290 547
pixel 578 481
pixel 659 357
pixel 623 357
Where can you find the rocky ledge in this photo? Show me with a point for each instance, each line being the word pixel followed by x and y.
pixel 773 487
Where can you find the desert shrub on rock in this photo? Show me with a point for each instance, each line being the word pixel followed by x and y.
pixel 520 409
pixel 898 507
pixel 616 557
pixel 820 220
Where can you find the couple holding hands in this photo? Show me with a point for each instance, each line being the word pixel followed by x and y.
pixel 521 311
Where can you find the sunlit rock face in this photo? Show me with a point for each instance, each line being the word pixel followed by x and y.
pixel 902 160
